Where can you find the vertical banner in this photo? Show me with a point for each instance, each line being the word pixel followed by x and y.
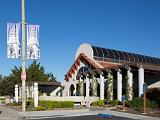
pixel 33 50
pixel 13 46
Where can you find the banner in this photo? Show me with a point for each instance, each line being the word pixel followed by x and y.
pixel 33 50
pixel 13 46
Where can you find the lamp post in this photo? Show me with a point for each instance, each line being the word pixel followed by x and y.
pixel 23 74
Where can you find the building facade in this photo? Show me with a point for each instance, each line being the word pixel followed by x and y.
pixel 109 73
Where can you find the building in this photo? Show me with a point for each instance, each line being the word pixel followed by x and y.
pixel 109 73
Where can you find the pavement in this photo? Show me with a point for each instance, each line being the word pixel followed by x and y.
pixel 10 114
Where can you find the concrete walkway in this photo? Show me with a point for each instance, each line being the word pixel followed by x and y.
pixel 9 114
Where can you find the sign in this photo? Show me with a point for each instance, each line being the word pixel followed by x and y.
pixel 144 87
pixel 23 76
pixel 13 45
pixel 33 50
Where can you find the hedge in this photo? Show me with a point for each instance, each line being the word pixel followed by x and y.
pixel 39 108
pixel 138 103
pixel 114 102
pixel 49 105
pixel 98 103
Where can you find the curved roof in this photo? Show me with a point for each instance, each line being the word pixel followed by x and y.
pixel 103 54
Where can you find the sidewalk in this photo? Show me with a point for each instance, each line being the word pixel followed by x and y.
pixel 32 114
pixel 9 114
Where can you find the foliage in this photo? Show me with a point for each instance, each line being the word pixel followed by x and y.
pixel 49 105
pixel 98 103
pixel 156 93
pixel 114 102
pixel 7 86
pixel 110 87
pixel 94 87
pixel 129 89
pixel 138 103
pixel 15 103
pixel 35 72
pixel 2 101
pixel 80 89
pixel 39 108
pixel 2 98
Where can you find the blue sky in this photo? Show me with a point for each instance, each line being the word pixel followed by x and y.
pixel 128 25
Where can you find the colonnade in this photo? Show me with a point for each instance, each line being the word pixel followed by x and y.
pixel 102 79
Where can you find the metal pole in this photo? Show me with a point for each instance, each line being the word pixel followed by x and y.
pixel 144 95
pixel 23 58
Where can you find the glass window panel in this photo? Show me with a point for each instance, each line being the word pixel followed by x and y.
pixel 105 52
pixel 94 51
pixel 111 55
pixel 152 60
pixel 131 57
pixel 99 52
pixel 116 54
pixel 125 55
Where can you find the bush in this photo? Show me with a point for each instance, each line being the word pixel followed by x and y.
pixel 15 103
pixel 39 108
pixel 114 102
pixel 2 98
pixel 155 92
pixel 138 103
pixel 98 103
pixel 49 105
pixel 2 101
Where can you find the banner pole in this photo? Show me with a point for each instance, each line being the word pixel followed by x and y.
pixel 23 75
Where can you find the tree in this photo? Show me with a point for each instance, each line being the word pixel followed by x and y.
pixel 51 77
pixel 35 72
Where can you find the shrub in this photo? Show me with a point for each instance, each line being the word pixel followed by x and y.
pixel 2 98
pixel 39 108
pixel 2 101
pixel 138 103
pixel 154 104
pixel 155 92
pixel 56 104
pixel 114 102
pixel 15 103
pixel 98 103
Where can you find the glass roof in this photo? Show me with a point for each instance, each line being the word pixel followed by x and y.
pixel 106 53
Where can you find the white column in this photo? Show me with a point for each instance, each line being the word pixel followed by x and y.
pixel 16 93
pixel 75 89
pixel 81 86
pixel 87 85
pixel 141 80
pixel 68 92
pixel 119 85
pixel 130 83
pixel 20 92
pixel 32 93
pixel 27 89
pixel 35 94
pixel 101 86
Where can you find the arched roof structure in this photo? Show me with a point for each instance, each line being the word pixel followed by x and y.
pixel 102 58
pixel 104 54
